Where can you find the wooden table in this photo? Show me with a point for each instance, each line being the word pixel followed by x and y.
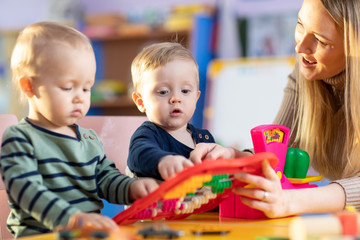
pixel 239 228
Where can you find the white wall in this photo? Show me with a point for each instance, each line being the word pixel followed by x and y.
pixel 244 94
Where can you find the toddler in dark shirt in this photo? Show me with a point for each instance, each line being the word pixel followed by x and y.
pixel 166 88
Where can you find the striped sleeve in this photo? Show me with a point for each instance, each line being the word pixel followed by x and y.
pixel 352 191
pixel 19 169
pixel 113 186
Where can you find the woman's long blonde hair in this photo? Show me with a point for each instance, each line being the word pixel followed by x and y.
pixel 317 107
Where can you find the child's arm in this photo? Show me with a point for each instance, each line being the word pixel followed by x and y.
pixel 145 152
pixel 171 164
pixel 113 185
pixel 118 188
pixel 121 189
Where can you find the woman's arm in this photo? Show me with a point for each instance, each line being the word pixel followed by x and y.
pixel 268 196
pixel 328 198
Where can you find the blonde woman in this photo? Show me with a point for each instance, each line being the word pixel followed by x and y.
pixel 321 106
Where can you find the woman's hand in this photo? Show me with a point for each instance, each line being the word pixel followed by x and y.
pixel 265 194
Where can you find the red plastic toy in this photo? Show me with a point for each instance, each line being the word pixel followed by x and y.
pixel 196 189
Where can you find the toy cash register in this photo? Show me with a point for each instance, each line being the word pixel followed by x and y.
pixel 292 173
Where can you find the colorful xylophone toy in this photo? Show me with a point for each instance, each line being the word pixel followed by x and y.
pixel 196 189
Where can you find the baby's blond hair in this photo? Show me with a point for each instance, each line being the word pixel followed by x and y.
pixel 37 40
pixel 157 55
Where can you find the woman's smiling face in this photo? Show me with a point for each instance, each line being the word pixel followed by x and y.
pixel 319 42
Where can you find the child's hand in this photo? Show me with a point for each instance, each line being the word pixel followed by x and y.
pixel 172 164
pixel 141 187
pixel 90 219
pixel 204 151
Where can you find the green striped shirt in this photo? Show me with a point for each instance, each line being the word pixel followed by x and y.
pixel 50 176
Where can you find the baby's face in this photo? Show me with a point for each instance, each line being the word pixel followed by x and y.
pixel 170 93
pixel 62 90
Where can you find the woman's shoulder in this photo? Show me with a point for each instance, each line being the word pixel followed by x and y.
pixel 294 75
